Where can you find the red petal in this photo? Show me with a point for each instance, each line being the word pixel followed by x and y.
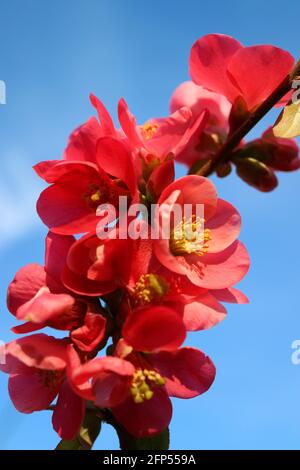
pixel 225 226
pixel 154 329
pixel 203 312
pixel 63 207
pixel 115 159
pixel 230 295
pixel 26 284
pixel 189 372
pixel 69 413
pixel 57 248
pixel 83 142
pixel 83 286
pixel 107 125
pixel 110 389
pixel 258 70
pixel 45 307
pixel 193 190
pixel 29 392
pixel 129 125
pixel 209 59
pixel 90 335
pixel 40 351
pixel 145 419
pixel 218 270
pixel 27 327
pixel 103 364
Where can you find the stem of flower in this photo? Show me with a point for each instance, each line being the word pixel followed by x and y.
pixel 233 141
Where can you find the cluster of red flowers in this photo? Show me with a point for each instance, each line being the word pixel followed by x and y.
pixel 140 296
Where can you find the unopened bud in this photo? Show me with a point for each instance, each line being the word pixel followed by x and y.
pixel 256 174
pixel 224 170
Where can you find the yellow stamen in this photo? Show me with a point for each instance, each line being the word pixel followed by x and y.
pixel 142 384
pixel 148 130
pixel 149 288
pixel 96 196
pixel 190 237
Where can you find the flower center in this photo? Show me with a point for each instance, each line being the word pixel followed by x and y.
pixel 149 288
pixel 95 195
pixel 142 384
pixel 148 130
pixel 190 237
pixel 50 378
pixel 105 191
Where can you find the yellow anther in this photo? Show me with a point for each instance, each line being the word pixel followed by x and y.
pixel 142 384
pixel 96 196
pixel 138 399
pixel 148 130
pixel 190 237
pixel 160 381
pixel 149 288
pixel 149 394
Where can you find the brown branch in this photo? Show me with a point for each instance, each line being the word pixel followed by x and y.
pixel 233 141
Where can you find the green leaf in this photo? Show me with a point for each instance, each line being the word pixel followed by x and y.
pixel 288 122
pixel 89 432
pixel 69 445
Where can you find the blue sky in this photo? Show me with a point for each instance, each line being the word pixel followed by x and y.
pixel 52 55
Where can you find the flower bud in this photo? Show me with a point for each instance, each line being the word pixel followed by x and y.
pixel 256 174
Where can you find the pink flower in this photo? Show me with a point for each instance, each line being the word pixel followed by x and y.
pixel 210 256
pixel 37 374
pixel 197 99
pixel 206 143
pixel 221 64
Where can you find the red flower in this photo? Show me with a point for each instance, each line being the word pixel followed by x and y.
pixel 157 142
pixel 95 267
pixel 152 284
pixel 221 64
pixel 78 188
pixel 256 161
pixel 137 389
pixel 82 144
pixel 37 374
pixel 38 296
pixel 205 249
